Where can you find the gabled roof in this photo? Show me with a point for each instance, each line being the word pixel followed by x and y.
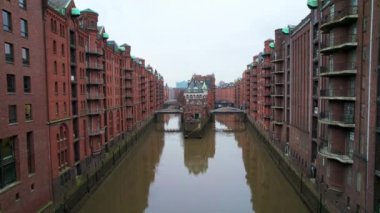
pixel 196 86
pixel 59 4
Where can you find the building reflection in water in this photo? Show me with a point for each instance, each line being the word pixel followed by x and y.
pixel 269 189
pixel 212 178
pixel 127 190
pixel 197 152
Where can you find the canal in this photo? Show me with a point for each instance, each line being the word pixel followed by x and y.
pixel 228 170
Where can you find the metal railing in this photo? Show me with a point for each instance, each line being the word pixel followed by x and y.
pixel 332 17
pixel 338 67
pixel 94 50
pixel 95 66
pixel 94 96
pixel 350 93
pixel 337 117
pixel 344 154
pixel 338 40
pixel 94 80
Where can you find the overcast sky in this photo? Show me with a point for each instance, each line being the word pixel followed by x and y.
pixel 182 37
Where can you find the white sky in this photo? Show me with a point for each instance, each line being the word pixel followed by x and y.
pixel 182 37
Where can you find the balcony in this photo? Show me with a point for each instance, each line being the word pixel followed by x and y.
pixel 94 51
pixel 94 81
pixel 94 66
pixel 129 95
pixel 129 103
pixel 377 173
pixel 278 122
pixel 279 81
pixel 335 154
pixel 277 106
pixel 338 94
pixel 341 120
pixel 339 43
pixel 94 96
pixel 278 94
pixel 128 85
pixel 73 79
pixel 345 16
pixel 267 65
pixel 267 102
pixel 95 132
pixel 266 75
pixel 128 76
pixel 97 111
pixel 340 69
pixel 277 59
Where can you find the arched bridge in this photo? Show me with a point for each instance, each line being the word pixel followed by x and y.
pixel 227 110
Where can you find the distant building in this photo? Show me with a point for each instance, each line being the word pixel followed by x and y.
pixel 181 84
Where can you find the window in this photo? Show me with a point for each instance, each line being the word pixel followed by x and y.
pixel 56 88
pixel 64 108
pixel 56 108
pixel 24 28
pixel 30 152
pixel 54 47
pixel 7 21
pixel 11 83
pixel 22 4
pixel 12 114
pixel 27 84
pixel 358 182
pixel 63 69
pixel 64 88
pixel 7 161
pixel 28 112
pixel 63 50
pixel 9 55
pixel 25 56
pixel 55 67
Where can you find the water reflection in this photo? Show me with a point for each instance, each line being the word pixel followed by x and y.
pixel 223 172
pixel 127 188
pixel 198 152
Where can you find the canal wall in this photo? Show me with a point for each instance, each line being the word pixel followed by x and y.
pixel 300 182
pixel 86 184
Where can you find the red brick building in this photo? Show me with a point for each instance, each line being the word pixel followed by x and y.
pixel 225 94
pixel 324 97
pixel 258 86
pixel 25 180
pixel 210 82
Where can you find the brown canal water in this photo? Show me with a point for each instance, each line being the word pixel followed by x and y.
pixel 225 171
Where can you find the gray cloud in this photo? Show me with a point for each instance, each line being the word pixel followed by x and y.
pixel 182 37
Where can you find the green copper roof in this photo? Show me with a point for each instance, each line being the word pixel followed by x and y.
pixel 312 4
pixel 88 10
pixel 75 12
pixel 105 36
pixel 285 30
pixel 59 5
pixel 271 45
pixel 122 49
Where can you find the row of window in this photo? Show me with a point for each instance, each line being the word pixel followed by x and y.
pixel 8 26
pixel 53 28
pixel 21 4
pixel 11 84
pixel 57 108
pixel 55 48
pixel 8 158
pixel 12 113
pixel 9 54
